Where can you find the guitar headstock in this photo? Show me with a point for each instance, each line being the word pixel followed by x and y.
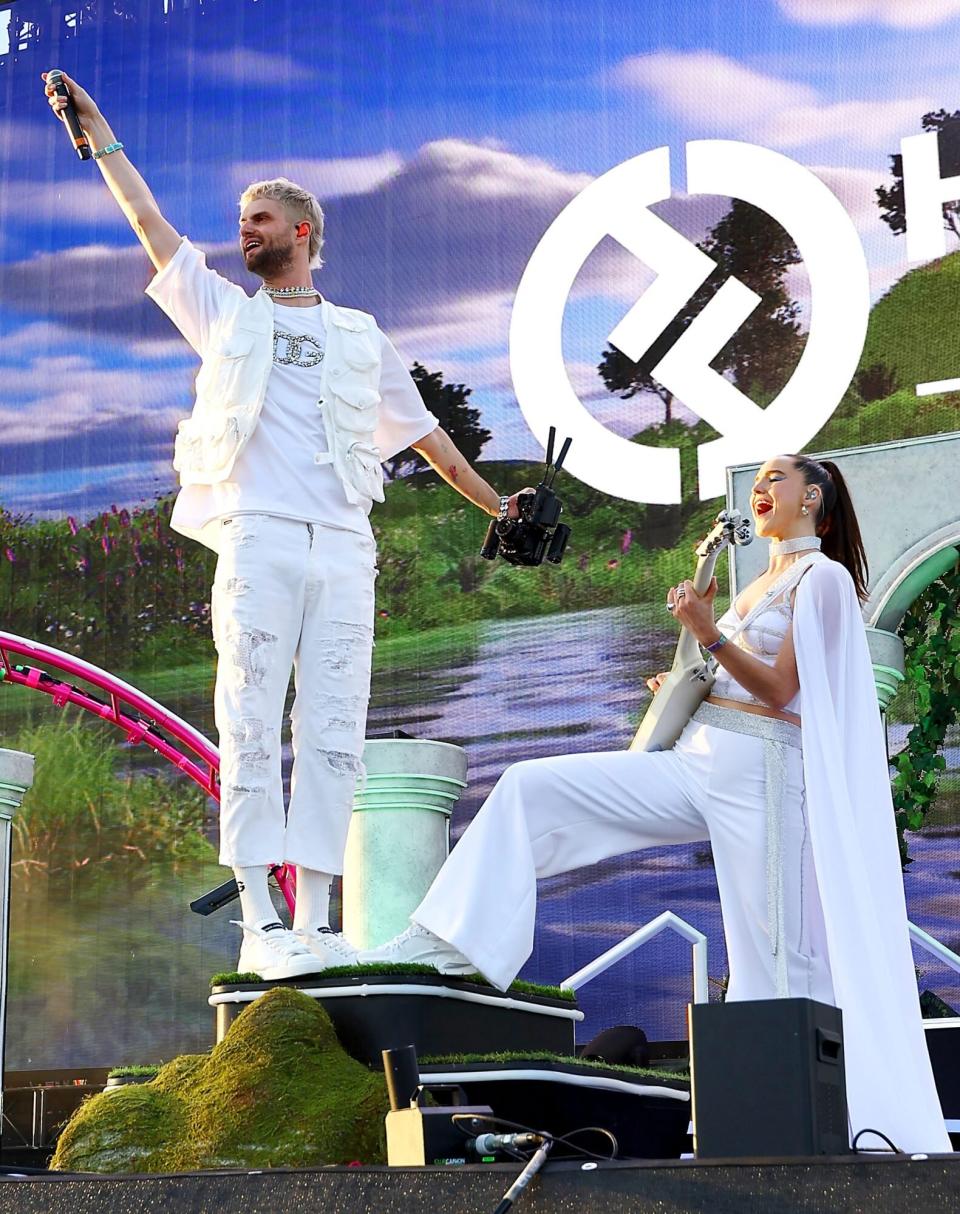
pixel 730 527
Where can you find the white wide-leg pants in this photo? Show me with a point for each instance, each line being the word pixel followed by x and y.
pixel 547 816
pixel 288 593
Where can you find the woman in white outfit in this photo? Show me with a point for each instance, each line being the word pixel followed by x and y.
pixel 784 770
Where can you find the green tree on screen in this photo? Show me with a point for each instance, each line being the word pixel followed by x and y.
pixel 890 198
pixel 749 245
pixel 448 404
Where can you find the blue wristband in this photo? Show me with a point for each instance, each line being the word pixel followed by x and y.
pixel 111 147
pixel 717 644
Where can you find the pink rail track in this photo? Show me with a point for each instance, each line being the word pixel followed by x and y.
pixel 142 719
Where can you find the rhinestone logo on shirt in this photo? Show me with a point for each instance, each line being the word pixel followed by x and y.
pixel 296 349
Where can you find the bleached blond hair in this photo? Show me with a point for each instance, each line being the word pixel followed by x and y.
pixel 299 203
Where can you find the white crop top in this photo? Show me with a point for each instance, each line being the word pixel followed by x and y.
pixel 762 638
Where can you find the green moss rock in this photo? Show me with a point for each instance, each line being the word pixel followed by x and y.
pixel 278 1091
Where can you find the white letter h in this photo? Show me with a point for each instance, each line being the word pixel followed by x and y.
pixel 924 193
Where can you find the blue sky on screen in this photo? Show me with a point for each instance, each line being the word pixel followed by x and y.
pixel 442 139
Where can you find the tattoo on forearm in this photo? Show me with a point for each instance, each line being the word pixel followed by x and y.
pixel 454 472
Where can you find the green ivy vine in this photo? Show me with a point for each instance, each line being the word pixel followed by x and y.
pixel 931 637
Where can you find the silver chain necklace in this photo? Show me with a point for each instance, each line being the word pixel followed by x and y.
pixel 289 292
pixel 800 544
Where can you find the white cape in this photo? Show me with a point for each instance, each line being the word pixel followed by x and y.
pixel 889 1081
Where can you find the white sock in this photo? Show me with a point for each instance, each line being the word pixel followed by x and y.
pixel 313 899
pixel 256 905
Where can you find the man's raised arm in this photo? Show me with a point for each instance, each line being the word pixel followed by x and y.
pixel 132 193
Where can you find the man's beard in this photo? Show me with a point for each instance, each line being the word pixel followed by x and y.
pixel 270 260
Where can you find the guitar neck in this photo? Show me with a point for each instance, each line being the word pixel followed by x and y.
pixel 704 572
pixel 688 649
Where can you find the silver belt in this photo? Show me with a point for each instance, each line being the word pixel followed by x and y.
pixel 775 735
pixel 751 723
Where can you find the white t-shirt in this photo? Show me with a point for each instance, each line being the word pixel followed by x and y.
pixel 285 467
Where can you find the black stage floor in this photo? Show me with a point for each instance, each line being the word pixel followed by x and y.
pixel 799 1186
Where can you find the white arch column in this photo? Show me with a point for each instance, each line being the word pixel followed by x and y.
pixel 906 501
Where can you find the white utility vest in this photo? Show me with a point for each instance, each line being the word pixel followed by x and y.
pixel 232 383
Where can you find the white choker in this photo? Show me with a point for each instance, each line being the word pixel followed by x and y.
pixel 288 292
pixel 800 544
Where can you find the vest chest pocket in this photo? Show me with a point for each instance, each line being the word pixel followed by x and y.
pixel 355 406
pixel 221 376
pixel 358 349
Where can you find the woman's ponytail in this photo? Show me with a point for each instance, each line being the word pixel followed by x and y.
pixel 837 523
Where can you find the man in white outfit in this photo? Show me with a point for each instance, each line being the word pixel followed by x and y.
pixel 298 402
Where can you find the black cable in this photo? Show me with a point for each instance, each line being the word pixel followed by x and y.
pixel 534 1164
pixel 591 1129
pixel 880 1134
pixel 457 1118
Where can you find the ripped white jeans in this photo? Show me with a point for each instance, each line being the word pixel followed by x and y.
pixel 288 593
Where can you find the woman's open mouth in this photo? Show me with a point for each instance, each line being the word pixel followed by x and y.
pixel 762 508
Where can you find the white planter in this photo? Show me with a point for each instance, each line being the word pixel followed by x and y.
pixel 399 835
pixel 16 776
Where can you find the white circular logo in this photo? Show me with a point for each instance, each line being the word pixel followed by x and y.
pixel 615 204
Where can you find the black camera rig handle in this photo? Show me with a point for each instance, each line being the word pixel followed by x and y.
pixel 538 533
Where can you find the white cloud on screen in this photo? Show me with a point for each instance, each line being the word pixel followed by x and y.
pixel 704 86
pixel 15 135
pixel 856 190
pixel 157 351
pixel 30 338
pixel 335 178
pixel 248 67
pixel 721 95
pixel 867 124
pixel 900 14
pixel 61 201
pixel 469 322
pixel 60 494
pixel 63 396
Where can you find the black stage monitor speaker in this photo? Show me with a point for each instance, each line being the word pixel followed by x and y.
pixel 767 1079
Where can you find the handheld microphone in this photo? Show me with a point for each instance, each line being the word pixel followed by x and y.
pixel 77 137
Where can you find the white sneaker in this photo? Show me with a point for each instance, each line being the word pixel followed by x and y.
pixel 419 946
pixel 273 951
pixel 330 948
